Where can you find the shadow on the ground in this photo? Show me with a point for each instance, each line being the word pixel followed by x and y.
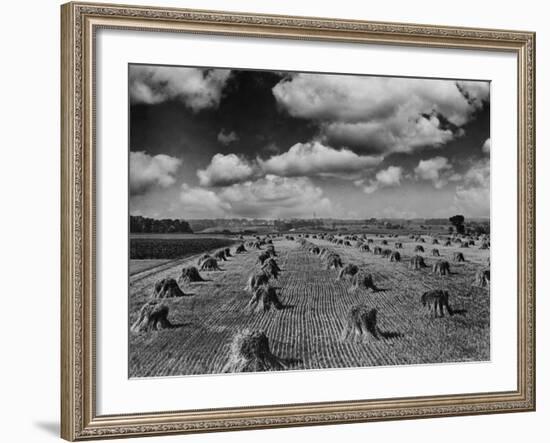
pixel 458 311
pixel 291 362
pixel 389 334
pixel 49 427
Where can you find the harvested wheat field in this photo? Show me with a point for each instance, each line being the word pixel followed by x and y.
pixel 325 318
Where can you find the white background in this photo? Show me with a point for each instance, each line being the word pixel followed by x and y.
pixel 29 174
pixel 117 394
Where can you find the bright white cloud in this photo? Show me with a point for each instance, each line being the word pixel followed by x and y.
pixel 438 170
pixel 478 175
pixel 314 158
pixel 226 138
pixel 197 88
pixel 386 177
pixel 301 160
pixel 274 196
pixel 268 197
pixel 386 114
pixel 486 146
pixel 472 197
pixel 226 170
pixel 148 172
pixel 202 202
pixel 400 133
pixel 390 177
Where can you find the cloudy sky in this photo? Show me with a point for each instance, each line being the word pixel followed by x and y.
pixel 209 143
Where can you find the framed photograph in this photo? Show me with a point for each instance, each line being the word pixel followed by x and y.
pixel 282 221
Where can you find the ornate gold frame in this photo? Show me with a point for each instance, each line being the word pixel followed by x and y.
pixel 79 21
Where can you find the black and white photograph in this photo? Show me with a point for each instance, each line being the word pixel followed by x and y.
pixel 302 221
pixel 315 221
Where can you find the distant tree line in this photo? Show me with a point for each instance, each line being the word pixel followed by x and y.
pixel 139 224
pixel 436 221
pixel 478 228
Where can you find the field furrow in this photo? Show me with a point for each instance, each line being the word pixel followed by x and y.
pixel 307 332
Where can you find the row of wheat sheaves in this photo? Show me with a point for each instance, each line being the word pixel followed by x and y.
pixel 249 349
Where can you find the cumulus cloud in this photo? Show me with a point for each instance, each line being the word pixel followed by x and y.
pixel 390 176
pixel 386 177
pixel 478 175
pixel 472 197
pixel 226 170
pixel 226 138
pixel 197 88
pixel 314 158
pixel 301 160
pixel 202 202
pixel 268 197
pixel 400 133
pixel 386 114
pixel 438 170
pixel 486 146
pixel 275 196
pixel 148 172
